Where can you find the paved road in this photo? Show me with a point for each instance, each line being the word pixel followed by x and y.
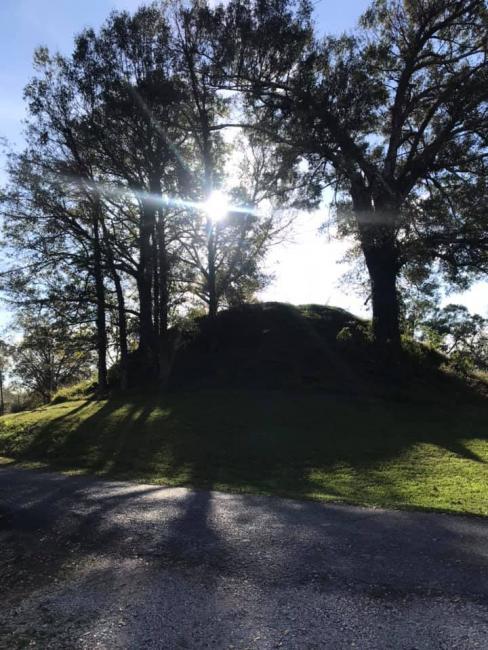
pixel 89 564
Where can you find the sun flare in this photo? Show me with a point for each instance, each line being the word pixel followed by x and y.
pixel 217 206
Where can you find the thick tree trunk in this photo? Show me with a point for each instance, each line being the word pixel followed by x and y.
pixel 100 307
pixel 383 269
pixel 376 225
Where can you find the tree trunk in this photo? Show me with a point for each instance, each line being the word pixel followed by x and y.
pixel 100 315
pixel 122 322
pixel 2 403
pixel 382 267
pixel 147 339
pixel 156 291
pixel 121 317
pixel 211 233
pixel 212 289
pixel 376 225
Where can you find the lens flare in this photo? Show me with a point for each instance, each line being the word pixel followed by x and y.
pixel 217 206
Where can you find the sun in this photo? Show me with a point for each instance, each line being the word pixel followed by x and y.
pixel 217 206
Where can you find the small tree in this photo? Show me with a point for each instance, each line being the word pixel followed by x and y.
pixel 462 336
pixel 50 355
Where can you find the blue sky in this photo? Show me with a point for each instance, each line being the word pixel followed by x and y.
pixel 306 270
pixel 26 24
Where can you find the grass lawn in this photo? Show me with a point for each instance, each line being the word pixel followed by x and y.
pixel 365 451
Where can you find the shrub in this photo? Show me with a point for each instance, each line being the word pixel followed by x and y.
pixel 345 336
pixel 25 403
pixel 354 336
pixel 462 362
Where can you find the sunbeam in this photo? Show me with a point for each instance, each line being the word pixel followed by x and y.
pixel 216 206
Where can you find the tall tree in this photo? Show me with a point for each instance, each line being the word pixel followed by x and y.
pixel 53 229
pixel 131 97
pixel 204 108
pixel 225 243
pixel 386 112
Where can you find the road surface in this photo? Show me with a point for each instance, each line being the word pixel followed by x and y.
pixel 87 564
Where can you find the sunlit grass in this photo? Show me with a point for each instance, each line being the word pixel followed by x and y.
pixel 370 452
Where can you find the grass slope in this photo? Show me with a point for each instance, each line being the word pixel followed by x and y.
pixel 297 443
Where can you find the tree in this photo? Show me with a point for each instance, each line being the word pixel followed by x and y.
pixel 5 358
pixel 419 301
pixel 224 252
pixel 105 204
pixel 460 335
pixel 97 143
pixel 243 225
pixel 386 114
pixel 50 355
pixel 132 96
pixel 53 227
pixel 449 227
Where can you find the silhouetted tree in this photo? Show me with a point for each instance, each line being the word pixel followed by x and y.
pixel 386 114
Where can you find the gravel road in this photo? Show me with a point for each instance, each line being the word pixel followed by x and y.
pixel 90 564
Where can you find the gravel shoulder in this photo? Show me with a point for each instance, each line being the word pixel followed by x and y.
pixel 87 563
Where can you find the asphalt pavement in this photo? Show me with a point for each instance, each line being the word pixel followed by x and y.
pixel 92 564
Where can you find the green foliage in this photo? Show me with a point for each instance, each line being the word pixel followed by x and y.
pixel 452 330
pixel 463 362
pixel 394 116
pixel 24 402
pixel 345 335
pixel 50 354
pixel 354 337
pixel 462 336
pixel 421 357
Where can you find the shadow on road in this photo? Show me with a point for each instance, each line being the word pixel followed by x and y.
pixel 110 534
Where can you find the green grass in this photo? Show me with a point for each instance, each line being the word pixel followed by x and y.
pixel 300 444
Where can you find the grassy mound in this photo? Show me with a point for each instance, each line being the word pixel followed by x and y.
pixel 301 444
pixel 281 346
pixel 270 345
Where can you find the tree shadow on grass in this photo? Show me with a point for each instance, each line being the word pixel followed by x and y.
pixel 460 449
pixel 73 411
pixel 265 441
